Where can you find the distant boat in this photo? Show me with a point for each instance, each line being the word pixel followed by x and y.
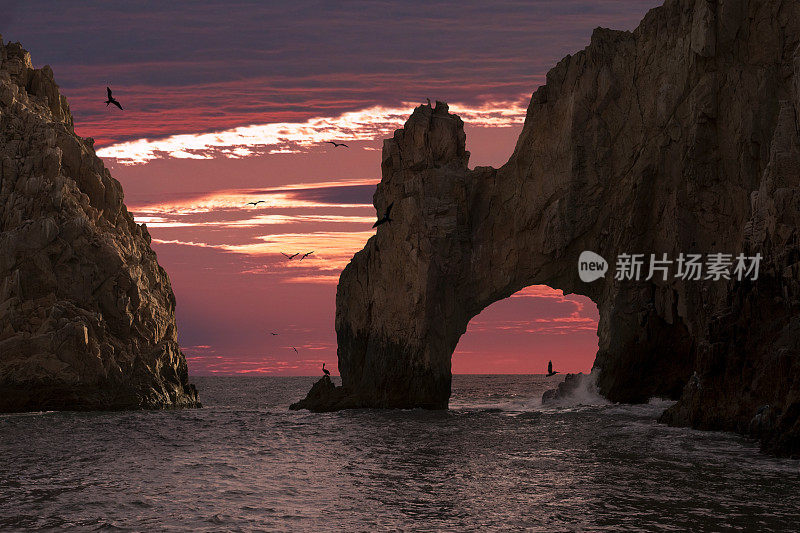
pixel 550 369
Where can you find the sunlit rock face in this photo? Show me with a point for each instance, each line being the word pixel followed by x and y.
pixel 86 313
pixel 679 137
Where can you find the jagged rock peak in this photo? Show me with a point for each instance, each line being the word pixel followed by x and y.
pixel 87 315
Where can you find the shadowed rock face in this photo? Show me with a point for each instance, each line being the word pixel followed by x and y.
pixel 86 313
pixel 680 137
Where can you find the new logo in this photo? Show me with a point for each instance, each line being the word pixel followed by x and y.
pixel 591 266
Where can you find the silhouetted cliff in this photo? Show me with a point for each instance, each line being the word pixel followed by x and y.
pixel 87 316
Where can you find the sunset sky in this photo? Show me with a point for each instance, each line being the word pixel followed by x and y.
pixel 231 102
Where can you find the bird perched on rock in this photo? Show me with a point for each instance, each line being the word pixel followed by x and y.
pixel 385 217
pixel 325 370
pixel 111 99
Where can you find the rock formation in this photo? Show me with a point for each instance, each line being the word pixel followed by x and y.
pixel 323 396
pixel 571 388
pixel 86 313
pixel 678 137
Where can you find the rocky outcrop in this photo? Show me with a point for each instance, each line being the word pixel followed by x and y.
pixel 86 313
pixel 571 387
pixel 323 396
pixel 678 137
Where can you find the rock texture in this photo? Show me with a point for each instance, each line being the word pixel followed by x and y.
pixel 86 313
pixel 678 137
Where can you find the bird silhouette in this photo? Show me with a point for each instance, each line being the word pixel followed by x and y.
pixel 272 333
pixel 550 369
pixel 429 102
pixel 255 203
pixel 111 99
pixel 325 370
pixel 385 217
pixel 336 145
pixel 305 255
pixel 295 349
pixel 290 256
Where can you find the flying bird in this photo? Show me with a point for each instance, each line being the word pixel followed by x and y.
pixel 385 217
pixel 111 99
pixel 255 203
pixel 295 349
pixel 336 145
pixel 305 255
pixel 550 369
pixel 325 370
pixel 289 256
pixel 272 333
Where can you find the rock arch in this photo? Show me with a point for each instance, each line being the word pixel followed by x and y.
pixel 681 136
pixel 461 240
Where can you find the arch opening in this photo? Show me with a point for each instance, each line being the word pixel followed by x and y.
pixel 521 333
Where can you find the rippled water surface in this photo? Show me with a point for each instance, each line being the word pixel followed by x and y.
pixel 496 460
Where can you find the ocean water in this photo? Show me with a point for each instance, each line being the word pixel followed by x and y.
pixel 496 460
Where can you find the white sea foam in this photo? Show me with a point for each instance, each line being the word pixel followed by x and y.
pixel 584 393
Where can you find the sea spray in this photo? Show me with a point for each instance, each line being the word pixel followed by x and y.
pixel 576 389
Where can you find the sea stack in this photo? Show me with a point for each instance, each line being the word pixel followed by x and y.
pixel 87 315
pixel 678 137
